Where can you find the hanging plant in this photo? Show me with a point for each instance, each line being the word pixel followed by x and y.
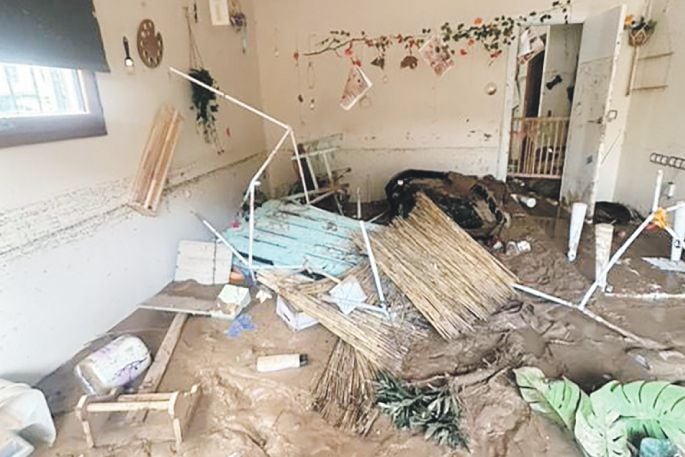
pixel 494 36
pixel 205 104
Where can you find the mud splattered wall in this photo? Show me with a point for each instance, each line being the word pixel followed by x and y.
pixel 655 123
pixel 411 119
pixel 74 260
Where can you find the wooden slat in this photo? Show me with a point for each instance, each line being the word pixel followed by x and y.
pixel 156 160
pixel 154 375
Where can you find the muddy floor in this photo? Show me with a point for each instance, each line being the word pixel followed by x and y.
pixel 245 413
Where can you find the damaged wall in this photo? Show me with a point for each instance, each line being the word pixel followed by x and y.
pixel 74 260
pixel 655 121
pixel 411 118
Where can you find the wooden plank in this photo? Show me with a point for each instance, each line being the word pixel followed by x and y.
pixel 154 375
pixel 156 160
pixel 181 411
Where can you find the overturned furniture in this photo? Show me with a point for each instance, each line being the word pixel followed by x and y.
pixel 179 406
pixel 476 204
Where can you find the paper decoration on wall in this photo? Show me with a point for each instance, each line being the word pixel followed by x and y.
pixel 530 45
pixel 437 55
pixel 218 10
pixel 357 85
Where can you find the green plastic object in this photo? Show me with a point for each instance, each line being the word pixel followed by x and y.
pixel 652 447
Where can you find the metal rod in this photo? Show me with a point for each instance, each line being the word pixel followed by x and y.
pixel 537 293
pixel 374 267
pixel 299 167
pixel 221 238
pixel 251 227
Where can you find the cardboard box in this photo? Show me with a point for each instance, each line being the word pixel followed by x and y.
pixel 294 318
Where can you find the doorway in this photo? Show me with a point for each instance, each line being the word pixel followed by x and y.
pixel 545 81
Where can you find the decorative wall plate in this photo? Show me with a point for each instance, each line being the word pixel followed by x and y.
pixel 150 44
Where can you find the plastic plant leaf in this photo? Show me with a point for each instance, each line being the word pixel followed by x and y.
pixel 599 432
pixel 557 400
pixel 653 409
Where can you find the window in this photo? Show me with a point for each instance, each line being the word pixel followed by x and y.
pixel 39 104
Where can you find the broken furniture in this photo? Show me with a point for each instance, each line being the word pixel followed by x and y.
pixel 316 157
pixel 156 160
pixel 473 203
pixel 205 262
pixel 179 407
pixel 297 237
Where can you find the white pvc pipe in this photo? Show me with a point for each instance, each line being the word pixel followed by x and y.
pixel 229 98
pixel 251 227
pixel 617 255
pixel 537 293
pixel 374 268
pixel 575 229
pixel 221 238
pixel 679 229
pixel 265 164
pixel 604 234
pixel 657 189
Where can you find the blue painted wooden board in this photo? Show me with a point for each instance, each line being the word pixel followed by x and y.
pixel 289 234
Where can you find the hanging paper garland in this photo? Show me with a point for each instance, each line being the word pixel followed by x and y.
pixel 494 36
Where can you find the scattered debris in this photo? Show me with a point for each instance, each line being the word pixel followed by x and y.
pixel 450 278
pixel 12 445
pixel 205 262
pixel 614 213
pixel 117 364
pixel 431 409
pixel 233 300
pixel 473 203
pixel 383 341
pixel 179 406
pixel 348 295
pixel 344 393
pixel 263 295
pixel 528 202
pixel 269 363
pixel 517 247
pixel 295 319
pixel 241 324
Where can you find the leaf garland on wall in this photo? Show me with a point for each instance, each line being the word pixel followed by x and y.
pixel 457 38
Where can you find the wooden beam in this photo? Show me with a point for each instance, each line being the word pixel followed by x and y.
pixel 154 375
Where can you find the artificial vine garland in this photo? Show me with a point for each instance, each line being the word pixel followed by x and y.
pixel 493 35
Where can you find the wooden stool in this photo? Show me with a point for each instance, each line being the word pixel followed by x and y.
pixel 178 405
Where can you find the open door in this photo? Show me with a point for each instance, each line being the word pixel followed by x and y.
pixel 599 51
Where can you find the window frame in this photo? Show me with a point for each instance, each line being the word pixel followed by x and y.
pixel 25 130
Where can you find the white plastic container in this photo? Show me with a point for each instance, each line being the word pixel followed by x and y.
pixel 269 363
pixel 578 211
pixel 604 233
pixel 115 365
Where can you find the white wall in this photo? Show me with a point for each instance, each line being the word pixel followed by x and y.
pixel 413 119
pixel 656 122
pixel 74 260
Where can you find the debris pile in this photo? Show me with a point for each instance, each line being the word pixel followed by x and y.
pixel 450 278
